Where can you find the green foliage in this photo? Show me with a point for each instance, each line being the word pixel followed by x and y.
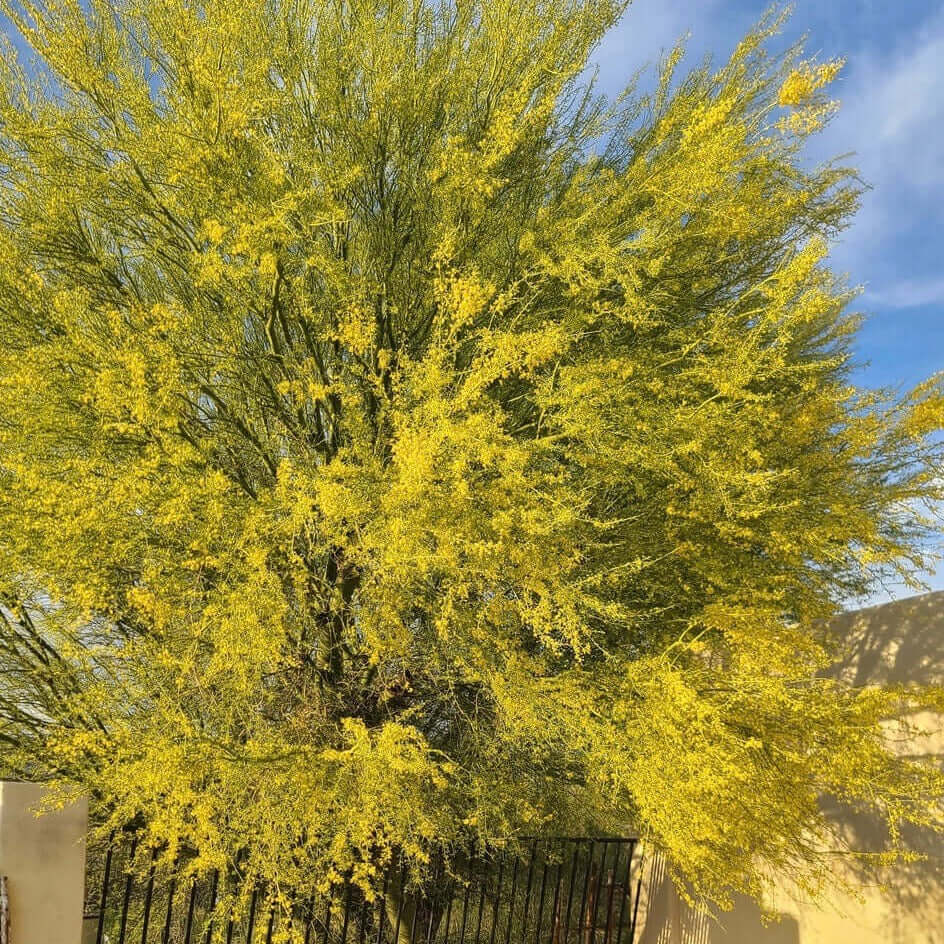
pixel 399 442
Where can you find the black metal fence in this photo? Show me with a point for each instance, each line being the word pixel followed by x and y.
pixel 537 891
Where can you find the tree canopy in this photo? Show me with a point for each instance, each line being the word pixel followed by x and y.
pixel 401 442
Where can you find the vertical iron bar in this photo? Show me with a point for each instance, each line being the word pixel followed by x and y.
pixel 498 891
pixel 311 918
pixel 527 894
pixel 251 923
pixel 596 899
pixel 439 872
pixel 104 899
pixel 165 937
pixel 383 905
pixel 347 912
pixel 555 908
pixel 511 900
pixel 416 910
pixel 190 906
pixel 214 893
pixel 632 929
pixel 465 900
pixel 230 925
pixel 148 898
pixel 537 930
pixel 627 893
pixel 581 917
pixel 127 895
pixel 291 910
pixel 570 894
pixel 396 933
pixel 452 895
pixel 327 921
pixel 609 899
pixel 483 882
pixel 365 914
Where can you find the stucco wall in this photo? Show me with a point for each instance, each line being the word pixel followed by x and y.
pixel 903 904
pixel 43 858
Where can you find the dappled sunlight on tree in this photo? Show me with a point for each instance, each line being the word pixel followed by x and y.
pixel 400 444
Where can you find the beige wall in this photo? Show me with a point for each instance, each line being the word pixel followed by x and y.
pixel 43 858
pixel 903 904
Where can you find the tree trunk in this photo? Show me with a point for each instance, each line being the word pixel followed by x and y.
pixel 404 906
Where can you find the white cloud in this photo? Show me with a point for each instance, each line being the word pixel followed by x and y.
pixel 892 117
pixel 909 293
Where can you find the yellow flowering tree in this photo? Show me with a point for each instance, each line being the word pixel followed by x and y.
pixel 400 443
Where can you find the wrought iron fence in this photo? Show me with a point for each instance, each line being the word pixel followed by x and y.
pixel 536 891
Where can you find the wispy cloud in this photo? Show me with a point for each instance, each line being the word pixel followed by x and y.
pixel 892 117
pixel 909 293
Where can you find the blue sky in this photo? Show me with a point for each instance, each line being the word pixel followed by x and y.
pixel 892 118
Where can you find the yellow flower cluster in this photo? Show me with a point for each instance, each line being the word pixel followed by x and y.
pixel 804 81
pixel 367 434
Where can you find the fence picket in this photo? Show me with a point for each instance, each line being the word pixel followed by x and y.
pixel 548 908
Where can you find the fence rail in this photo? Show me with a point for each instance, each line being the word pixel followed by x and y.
pixel 538 891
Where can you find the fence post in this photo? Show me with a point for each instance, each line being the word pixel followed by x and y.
pixel 43 859
pixel 4 912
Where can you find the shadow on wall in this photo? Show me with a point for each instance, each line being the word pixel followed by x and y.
pixel 669 920
pixel 895 643
pixel 745 923
pixel 676 923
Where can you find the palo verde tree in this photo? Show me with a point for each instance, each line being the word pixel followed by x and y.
pixel 402 443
